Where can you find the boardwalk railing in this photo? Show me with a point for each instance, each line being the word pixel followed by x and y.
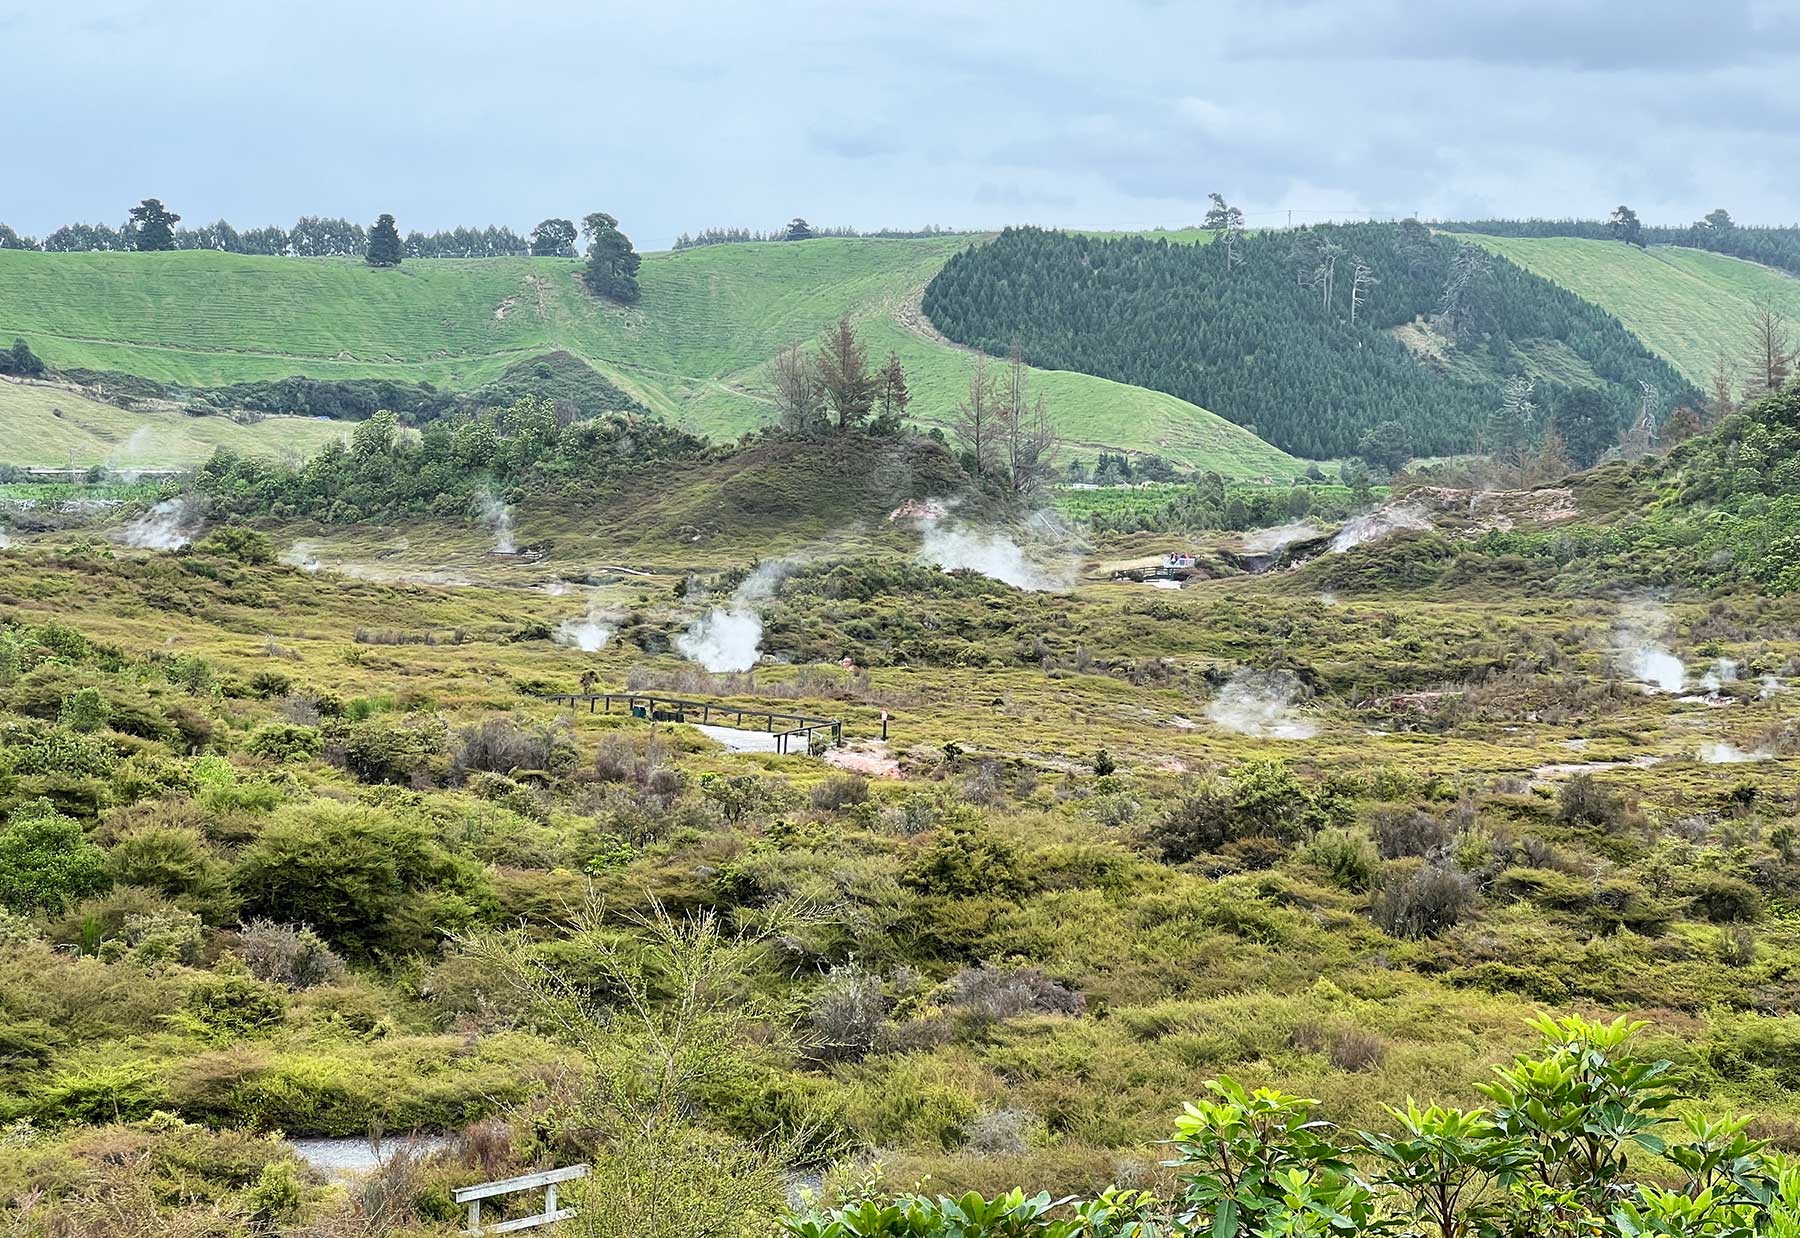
pixel 657 708
pixel 473 1195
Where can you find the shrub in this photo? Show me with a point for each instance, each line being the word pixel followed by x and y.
pixel 501 746
pixel 83 710
pixel 1262 798
pixel 989 992
pixel 1582 800
pixel 46 861
pixel 285 741
pixel 965 861
pixel 235 541
pixel 230 1004
pixel 1726 900
pixel 1422 901
pixel 292 956
pixel 369 883
pixel 846 1015
pixel 1003 1132
pixel 376 750
pixel 158 937
pixel 840 791
pixel 1409 832
pixel 1348 859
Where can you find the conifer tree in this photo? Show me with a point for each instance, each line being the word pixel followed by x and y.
pixel 155 225
pixel 612 264
pixel 384 244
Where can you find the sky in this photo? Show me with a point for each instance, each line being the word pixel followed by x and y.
pixel 677 116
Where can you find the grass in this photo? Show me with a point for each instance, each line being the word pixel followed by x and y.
pixel 1240 962
pixel 695 349
pixel 1689 306
pixel 55 426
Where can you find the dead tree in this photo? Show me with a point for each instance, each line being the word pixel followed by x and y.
pixel 976 418
pixel 1362 278
pixel 1772 352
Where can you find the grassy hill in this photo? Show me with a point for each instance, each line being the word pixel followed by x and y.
pixel 50 426
pixel 1687 305
pixel 695 349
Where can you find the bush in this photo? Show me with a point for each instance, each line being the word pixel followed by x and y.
pixel 46 861
pixel 1348 859
pixel 292 956
pixel 376 750
pixel 285 741
pixel 369 883
pixel 230 1004
pixel 1582 800
pixel 846 1015
pixel 501 746
pixel 1409 832
pixel 1262 799
pixel 83 710
pixel 989 992
pixel 1422 901
pixel 1726 900
pixel 964 861
pixel 840 791
pixel 173 860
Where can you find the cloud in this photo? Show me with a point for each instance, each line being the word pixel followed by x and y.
pixel 890 114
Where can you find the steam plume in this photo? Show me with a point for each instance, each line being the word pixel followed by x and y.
pixel 953 545
pixel 498 517
pixel 588 633
pixel 1279 538
pixel 1261 703
pixel 1378 524
pixel 1641 653
pixel 1717 753
pixel 169 525
pixel 729 637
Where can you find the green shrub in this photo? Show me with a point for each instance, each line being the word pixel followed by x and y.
pixel 1726 900
pixel 285 741
pixel 367 881
pixel 46 861
pixel 1348 859
pixel 84 710
pixel 229 1003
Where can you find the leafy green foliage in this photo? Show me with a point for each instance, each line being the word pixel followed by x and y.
pixel 383 473
pixel 370 883
pixel 45 861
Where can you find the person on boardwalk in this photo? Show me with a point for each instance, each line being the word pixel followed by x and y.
pixel 588 680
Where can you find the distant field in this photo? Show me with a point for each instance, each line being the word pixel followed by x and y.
pixel 695 349
pixel 50 426
pixel 1689 305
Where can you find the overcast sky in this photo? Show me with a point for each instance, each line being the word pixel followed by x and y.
pixel 1098 113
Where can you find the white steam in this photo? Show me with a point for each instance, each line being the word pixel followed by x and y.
pixel 1381 523
pixel 498 517
pixel 169 525
pixel 300 554
pixel 1770 686
pixel 1279 538
pixel 729 637
pixel 953 545
pixel 1723 671
pixel 1715 753
pixel 132 450
pixel 1261 703
pixel 588 633
pixel 1641 652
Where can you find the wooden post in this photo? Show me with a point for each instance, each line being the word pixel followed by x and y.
pixel 474 1216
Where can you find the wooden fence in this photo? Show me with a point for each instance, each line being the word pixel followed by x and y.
pixel 473 1195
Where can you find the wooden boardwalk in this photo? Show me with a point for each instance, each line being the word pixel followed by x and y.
pixel 655 707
